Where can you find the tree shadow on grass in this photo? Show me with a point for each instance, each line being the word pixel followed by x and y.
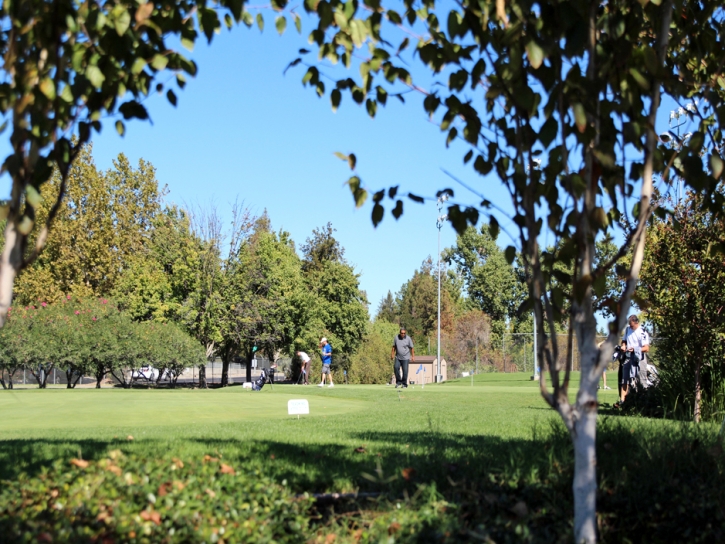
pixel 657 483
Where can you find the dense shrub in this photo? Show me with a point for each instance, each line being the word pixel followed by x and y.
pixel 123 499
pixel 371 363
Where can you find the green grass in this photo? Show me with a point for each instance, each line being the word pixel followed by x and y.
pixel 480 446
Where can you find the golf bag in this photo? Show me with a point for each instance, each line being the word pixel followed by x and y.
pixel 259 382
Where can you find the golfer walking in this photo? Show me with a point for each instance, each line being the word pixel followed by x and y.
pixel 326 354
pixel 403 353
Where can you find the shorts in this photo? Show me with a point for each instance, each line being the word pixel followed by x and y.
pixel 629 373
pixel 325 369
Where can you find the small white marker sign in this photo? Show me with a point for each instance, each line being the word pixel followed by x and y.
pixel 298 407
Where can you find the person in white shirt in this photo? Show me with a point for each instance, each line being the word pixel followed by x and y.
pixel 305 367
pixel 637 341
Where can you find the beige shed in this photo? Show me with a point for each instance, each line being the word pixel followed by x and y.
pixel 424 369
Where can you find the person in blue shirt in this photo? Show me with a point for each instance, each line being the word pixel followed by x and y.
pixel 326 354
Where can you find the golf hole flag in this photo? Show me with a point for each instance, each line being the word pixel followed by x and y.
pixel 420 369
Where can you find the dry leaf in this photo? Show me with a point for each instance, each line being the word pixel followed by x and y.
pixel 80 463
pixel 361 449
pixel 115 469
pixel 179 485
pixel 210 493
pixel 394 528
pixel 210 459
pixel 226 469
pixel 164 489
pixel 357 535
pixel 408 473
pixel 129 437
pixel 178 463
pixel 329 539
pixel 151 516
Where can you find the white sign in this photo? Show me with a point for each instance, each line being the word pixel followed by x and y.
pixel 254 363
pixel 465 374
pixel 297 407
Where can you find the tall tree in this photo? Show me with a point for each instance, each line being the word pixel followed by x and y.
pixel 575 86
pixel 104 222
pixel 387 309
pixel 683 290
pixel 337 307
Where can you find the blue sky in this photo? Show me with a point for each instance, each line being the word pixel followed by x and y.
pixel 244 130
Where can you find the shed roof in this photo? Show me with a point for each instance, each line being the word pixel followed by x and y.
pixel 428 359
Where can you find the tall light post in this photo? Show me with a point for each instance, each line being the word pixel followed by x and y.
pixel 439 224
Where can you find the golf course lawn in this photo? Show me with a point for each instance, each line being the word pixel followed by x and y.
pixel 492 435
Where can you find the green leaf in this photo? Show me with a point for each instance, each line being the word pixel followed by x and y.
pixel 493 228
pixel 359 194
pixel 171 96
pixel 371 106
pixel 468 156
pixel 159 62
pixel 187 44
pixel 352 161
pixel 335 99
pixel 260 22
pixel 298 23
pixel 535 54
pixel 122 19
pixel 510 253
pixel 548 131
pixel 132 109
pixel 341 156
pixel 120 128
pixel 281 24
pixel 580 116
pixel 138 65
pixel 377 215
pixel 416 198
pixel 95 76
pixel 47 87
pixel 398 210
pixel 716 164
pixel 642 81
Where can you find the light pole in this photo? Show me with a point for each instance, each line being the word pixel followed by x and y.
pixel 439 224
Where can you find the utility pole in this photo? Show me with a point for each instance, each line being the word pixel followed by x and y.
pixel 439 224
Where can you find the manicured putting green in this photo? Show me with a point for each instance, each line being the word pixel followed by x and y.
pixel 84 408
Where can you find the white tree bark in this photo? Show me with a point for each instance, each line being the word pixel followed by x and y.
pixel 10 262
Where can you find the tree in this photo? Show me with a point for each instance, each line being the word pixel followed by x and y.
pixel 371 362
pixel 559 101
pixel 336 305
pixel 469 338
pixel 683 290
pixel 491 282
pixel 264 294
pixel 104 222
pixel 387 309
pixel 67 68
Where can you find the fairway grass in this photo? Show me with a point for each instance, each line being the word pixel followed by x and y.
pixel 464 440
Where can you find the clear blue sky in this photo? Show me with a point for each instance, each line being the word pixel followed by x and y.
pixel 243 129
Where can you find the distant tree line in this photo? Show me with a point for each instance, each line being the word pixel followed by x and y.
pixel 230 289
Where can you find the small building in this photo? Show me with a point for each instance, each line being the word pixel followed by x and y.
pixel 424 369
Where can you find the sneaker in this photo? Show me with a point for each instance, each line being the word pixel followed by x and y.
pixel 320 385
pixel 606 387
pixel 331 385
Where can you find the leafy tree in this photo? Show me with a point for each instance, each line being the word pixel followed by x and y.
pixel 263 292
pixel 491 283
pixel 371 362
pixel 387 309
pixel 468 340
pixel 682 287
pixel 105 221
pixel 336 306
pixel 69 66
pixel 558 100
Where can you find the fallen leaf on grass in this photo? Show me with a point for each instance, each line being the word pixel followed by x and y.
pixel 357 535
pixel 520 509
pixel 361 449
pixel 164 489
pixel 210 493
pixel 151 516
pixel 329 539
pixel 129 437
pixel 226 469
pixel 80 463
pixel 271 456
pixel 178 463
pixel 394 528
pixel 408 473
pixel 115 469
pixel 210 459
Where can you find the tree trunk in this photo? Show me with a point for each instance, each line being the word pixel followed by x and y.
pixel 698 389
pixel 584 438
pixel 10 261
pixel 225 371
pixel 100 374
pixel 202 377
pixel 68 377
pixel 2 382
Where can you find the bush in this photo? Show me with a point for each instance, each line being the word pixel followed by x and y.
pixel 371 363
pixel 144 500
